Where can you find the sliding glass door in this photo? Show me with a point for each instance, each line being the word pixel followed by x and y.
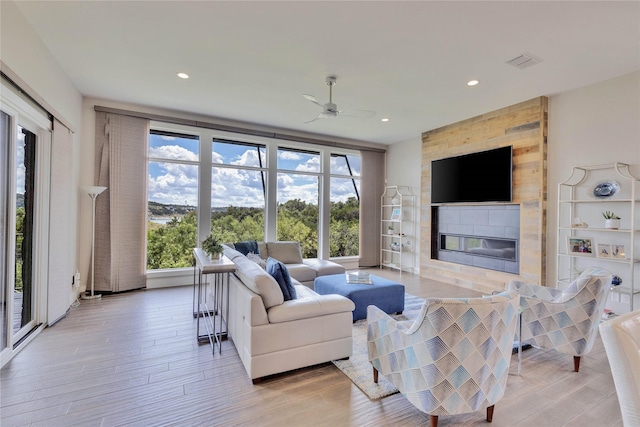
pixel 23 242
pixel 24 134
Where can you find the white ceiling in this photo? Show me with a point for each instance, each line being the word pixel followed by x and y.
pixel 408 61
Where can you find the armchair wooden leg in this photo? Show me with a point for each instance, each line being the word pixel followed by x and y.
pixel 434 421
pixel 576 363
pixel 490 413
pixel 375 375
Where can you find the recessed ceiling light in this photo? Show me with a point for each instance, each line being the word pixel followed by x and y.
pixel 473 82
pixel 183 75
pixel 384 120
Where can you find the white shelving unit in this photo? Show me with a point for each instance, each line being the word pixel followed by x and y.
pixel 398 228
pixel 617 250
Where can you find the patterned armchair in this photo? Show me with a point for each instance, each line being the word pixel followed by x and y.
pixel 565 321
pixel 453 358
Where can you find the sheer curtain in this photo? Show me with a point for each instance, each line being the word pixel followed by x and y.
pixel 121 166
pixel 371 188
pixel 62 230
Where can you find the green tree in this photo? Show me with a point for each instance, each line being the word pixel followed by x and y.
pixel 291 228
pixel 170 245
pixel 20 213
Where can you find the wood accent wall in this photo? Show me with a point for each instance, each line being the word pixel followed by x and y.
pixel 524 126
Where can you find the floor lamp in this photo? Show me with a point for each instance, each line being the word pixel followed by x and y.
pixel 93 193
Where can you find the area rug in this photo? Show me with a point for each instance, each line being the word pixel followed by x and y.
pixel 358 368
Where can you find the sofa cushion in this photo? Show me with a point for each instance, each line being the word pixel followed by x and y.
pixel 302 272
pixel 285 252
pixel 248 246
pixel 259 281
pixel 310 306
pixel 257 259
pixel 262 250
pixel 324 267
pixel 280 272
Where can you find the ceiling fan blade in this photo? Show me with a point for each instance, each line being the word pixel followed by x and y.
pixel 361 114
pixel 322 115
pixel 312 99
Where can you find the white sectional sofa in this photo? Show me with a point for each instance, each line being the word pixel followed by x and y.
pixel 272 335
pixel 304 271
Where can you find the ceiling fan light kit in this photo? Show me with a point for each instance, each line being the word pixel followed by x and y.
pixel 330 110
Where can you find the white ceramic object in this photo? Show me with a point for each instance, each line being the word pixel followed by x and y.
pixel 613 224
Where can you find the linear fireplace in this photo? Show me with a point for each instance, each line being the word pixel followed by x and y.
pixel 481 236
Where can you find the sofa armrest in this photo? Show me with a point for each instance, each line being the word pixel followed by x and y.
pixel 307 307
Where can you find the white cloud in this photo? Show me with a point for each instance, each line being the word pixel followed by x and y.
pixel 176 184
pixel 216 157
pixel 300 187
pixel 311 165
pixel 236 187
pixel 288 155
pixel 249 158
pixel 342 189
pixel 174 152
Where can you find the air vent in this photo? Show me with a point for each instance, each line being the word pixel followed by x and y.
pixel 524 61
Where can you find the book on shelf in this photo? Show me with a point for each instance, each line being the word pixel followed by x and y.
pixel 358 277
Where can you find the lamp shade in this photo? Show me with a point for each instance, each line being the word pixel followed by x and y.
pixel 93 190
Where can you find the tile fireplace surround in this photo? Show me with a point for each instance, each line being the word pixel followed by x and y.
pixel 484 236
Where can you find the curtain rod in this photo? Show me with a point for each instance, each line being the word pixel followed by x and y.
pixel 235 129
pixel 24 93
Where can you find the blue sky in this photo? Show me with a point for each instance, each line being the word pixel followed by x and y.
pixel 175 183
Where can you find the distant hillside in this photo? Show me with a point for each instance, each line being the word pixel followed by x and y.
pixel 159 209
pixel 20 200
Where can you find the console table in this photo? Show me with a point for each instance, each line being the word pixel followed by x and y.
pixel 220 269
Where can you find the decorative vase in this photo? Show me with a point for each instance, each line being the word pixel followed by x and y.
pixel 215 257
pixel 613 224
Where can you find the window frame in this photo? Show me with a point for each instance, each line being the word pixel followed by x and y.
pixel 270 170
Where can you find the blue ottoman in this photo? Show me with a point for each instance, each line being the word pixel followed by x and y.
pixel 384 294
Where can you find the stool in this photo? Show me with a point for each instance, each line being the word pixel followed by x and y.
pixel 385 294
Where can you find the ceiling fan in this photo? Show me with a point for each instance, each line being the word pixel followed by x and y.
pixel 330 109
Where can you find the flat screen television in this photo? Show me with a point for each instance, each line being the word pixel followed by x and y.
pixel 478 177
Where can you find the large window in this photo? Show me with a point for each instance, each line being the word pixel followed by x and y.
pixel 344 228
pixel 172 199
pixel 298 174
pixel 244 188
pixel 238 188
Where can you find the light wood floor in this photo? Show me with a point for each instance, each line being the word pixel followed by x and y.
pixel 132 359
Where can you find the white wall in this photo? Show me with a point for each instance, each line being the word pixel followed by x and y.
pixel 404 168
pixel 596 124
pixel 26 55
pixel 24 52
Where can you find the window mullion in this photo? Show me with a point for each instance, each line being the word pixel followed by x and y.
pixel 271 208
pixel 204 187
pixel 324 215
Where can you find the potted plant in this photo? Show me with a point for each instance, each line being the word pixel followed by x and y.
pixel 212 247
pixel 612 220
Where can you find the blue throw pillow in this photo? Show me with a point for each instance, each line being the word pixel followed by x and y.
pixel 247 247
pixel 280 272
